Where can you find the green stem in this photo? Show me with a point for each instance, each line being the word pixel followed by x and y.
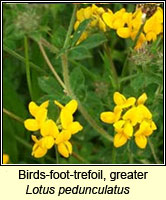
pixel 130 155
pixel 112 66
pixel 57 155
pixel 27 66
pixel 113 155
pixel 126 78
pixel 70 28
pixel 50 66
pixel 13 116
pixel 153 151
pixel 22 59
pixel 51 47
pixel 80 158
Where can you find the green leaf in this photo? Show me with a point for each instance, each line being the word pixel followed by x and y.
pixel 93 41
pixel 77 81
pixel 79 53
pixel 81 28
pixel 138 82
pixel 50 85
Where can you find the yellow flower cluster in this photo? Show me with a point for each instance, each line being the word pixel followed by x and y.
pixel 91 12
pixel 52 133
pixel 126 24
pixel 5 158
pixel 130 117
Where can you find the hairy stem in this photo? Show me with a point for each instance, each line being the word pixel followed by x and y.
pixel 69 91
pixel 50 65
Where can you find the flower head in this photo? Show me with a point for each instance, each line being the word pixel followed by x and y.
pixel 130 117
pixel 52 133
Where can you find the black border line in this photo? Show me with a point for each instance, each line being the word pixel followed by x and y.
pixel 69 2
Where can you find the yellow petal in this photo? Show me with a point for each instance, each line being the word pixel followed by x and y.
pixel 87 12
pixel 63 136
pixel 5 158
pixel 153 125
pixel 58 104
pixel 131 115
pixel 34 138
pixel 143 113
pixel 118 23
pixel 119 140
pixel 128 129
pixel 119 125
pixel 65 149
pixel 47 142
pixel 142 99
pixel 49 128
pixel 119 99
pixel 151 36
pixel 107 18
pixel 75 127
pixel 80 14
pixel 124 32
pixel 129 102
pixel 107 117
pixel 31 125
pixel 117 112
pixel 66 118
pixel 41 116
pixel 100 10
pixel 38 152
pixel 44 104
pixel 141 141
pixel 140 41
pixel 33 108
pixel 76 25
pixel 72 106
pixel 102 25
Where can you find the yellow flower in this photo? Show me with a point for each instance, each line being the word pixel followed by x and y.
pixel 65 149
pixel 146 129
pixel 68 127
pixel 5 158
pixel 95 14
pixel 130 116
pixel 41 146
pixel 52 133
pixel 121 100
pixel 154 25
pixel 39 113
pixel 124 131
pixel 66 117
